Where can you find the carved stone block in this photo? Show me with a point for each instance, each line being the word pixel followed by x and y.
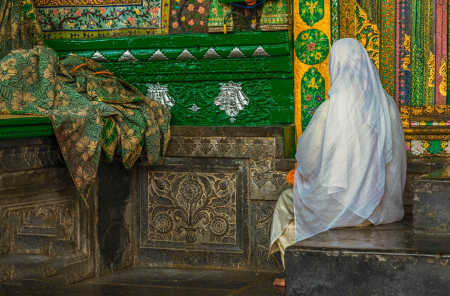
pixel 23 154
pixel 261 221
pixel 192 207
pixel 237 147
pixel 268 178
pixel 198 206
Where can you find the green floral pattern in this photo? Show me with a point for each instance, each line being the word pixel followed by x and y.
pixel 312 46
pixel 311 11
pixel 18 27
pixel 312 94
pixel 89 109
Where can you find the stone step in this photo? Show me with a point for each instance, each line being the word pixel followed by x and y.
pixel 70 268
pixel 381 260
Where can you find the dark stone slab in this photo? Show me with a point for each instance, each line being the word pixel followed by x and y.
pixel 420 166
pixel 389 260
pixel 155 281
pixel 431 209
pixel 67 268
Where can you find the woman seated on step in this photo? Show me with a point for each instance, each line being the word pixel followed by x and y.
pixel 351 157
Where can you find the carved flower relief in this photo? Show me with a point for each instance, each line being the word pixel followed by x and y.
pixel 190 192
pixel 195 208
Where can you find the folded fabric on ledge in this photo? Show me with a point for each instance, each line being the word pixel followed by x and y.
pixel 89 109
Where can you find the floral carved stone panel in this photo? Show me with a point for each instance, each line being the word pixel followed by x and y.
pixel 191 207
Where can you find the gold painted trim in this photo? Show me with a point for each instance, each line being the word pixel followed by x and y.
pixel 427 131
pixel 427 137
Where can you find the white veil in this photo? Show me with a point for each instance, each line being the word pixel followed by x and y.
pixel 343 153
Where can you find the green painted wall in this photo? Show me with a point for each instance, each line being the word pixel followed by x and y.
pixel 267 80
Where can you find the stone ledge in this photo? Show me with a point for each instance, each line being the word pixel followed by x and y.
pixel 385 260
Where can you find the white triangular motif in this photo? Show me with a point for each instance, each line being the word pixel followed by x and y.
pixel 211 54
pixel 236 53
pixel 185 55
pixel 97 56
pixel 260 52
pixel 127 57
pixel 158 56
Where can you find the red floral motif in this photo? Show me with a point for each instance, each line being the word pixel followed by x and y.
pixel 311 46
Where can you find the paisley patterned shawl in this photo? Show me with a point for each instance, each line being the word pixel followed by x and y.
pixel 90 109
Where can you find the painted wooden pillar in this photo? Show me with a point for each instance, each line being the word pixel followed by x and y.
pixel 387 45
pixel 312 34
pixel 403 52
pixel 441 52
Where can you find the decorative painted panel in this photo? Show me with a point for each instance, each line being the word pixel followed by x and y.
pixel 355 23
pixel 99 19
pixel 429 53
pixel 188 16
pixel 275 16
pixel 441 52
pixel 313 93
pixel 334 20
pixel 417 53
pixel 312 35
pixel 403 53
pixel 387 44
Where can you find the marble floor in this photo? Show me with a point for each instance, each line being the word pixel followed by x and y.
pixel 156 282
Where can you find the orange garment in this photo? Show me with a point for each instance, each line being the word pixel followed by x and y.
pixel 291 175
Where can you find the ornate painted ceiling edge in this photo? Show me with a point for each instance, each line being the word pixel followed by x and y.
pixel 172 41
pixel 147 17
pixel 65 3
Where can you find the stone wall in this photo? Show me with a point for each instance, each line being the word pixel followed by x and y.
pixel 45 230
pixel 211 203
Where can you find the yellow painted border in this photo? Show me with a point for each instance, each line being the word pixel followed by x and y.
pixel 300 69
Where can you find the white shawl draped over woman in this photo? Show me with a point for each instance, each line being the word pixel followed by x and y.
pixel 351 157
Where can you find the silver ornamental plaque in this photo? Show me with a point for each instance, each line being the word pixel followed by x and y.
pixel 231 99
pixel 160 93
